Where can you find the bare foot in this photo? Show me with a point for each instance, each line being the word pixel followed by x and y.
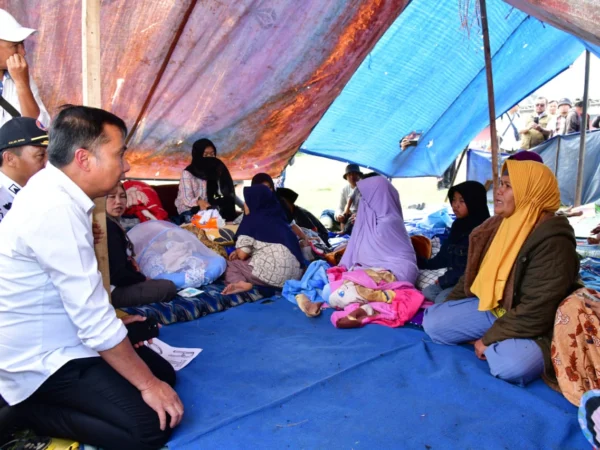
pixel 236 288
pixel 307 307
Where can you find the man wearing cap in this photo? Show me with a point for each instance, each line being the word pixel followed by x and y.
pixel 560 126
pixel 536 129
pixel 16 86
pixel 575 118
pixel 352 175
pixel 22 154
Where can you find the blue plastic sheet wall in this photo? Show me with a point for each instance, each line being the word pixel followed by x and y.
pixel 568 161
pixel 479 165
pixel 427 73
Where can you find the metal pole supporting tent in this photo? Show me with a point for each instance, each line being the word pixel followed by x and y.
pixel 584 127
pixel 90 48
pixel 490 88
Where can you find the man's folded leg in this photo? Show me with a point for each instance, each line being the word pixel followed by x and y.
pixel 88 401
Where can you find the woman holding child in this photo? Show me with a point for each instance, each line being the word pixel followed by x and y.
pixel 522 262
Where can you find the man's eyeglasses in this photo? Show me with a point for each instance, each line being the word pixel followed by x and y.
pixel 540 104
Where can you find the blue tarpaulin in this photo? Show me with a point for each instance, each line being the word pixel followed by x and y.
pixel 479 165
pixel 271 378
pixel 568 161
pixel 427 73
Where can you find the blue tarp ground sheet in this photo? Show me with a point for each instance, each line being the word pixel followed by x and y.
pixel 427 73
pixel 269 377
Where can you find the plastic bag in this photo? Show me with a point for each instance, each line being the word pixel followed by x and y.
pixel 166 251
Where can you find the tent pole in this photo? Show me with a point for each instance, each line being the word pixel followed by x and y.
pixel 490 85
pixel 90 49
pixel 584 126
pixel 557 156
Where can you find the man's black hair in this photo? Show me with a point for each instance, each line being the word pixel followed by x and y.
pixel 79 127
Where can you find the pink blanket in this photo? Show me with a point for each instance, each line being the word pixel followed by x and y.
pixel 402 309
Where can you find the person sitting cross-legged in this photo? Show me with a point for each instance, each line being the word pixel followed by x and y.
pixel 522 263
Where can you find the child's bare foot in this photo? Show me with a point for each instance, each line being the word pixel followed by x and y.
pixel 236 288
pixel 307 307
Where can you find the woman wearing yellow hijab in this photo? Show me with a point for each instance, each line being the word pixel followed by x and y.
pixel 522 263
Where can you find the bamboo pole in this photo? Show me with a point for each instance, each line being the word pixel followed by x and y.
pixel 584 127
pixel 490 85
pixel 90 48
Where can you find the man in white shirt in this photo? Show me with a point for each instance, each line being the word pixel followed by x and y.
pixel 23 145
pixel 352 175
pixel 16 85
pixel 65 359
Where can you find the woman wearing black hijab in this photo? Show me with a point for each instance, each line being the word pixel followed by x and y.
pixel 206 184
pixel 469 203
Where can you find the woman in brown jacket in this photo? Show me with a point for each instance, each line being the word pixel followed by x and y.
pixel 522 262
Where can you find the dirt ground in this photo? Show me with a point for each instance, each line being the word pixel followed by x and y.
pixel 319 181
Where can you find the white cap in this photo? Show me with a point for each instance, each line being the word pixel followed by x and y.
pixel 11 30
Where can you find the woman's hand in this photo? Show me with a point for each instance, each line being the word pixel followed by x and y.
pixel 97 232
pixel 596 230
pixel 203 205
pixel 480 349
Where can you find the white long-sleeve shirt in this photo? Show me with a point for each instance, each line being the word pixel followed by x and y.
pixel 53 306
pixel 9 92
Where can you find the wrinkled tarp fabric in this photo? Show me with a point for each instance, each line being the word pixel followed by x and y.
pixel 578 17
pixel 427 73
pixel 254 76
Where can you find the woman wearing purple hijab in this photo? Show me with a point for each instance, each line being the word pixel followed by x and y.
pixel 379 238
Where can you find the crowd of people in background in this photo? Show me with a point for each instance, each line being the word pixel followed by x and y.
pixel 549 119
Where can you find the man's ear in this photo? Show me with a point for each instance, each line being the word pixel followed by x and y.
pixel 82 159
pixel 9 159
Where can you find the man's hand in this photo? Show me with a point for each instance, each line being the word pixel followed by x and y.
pixel 18 70
pixel 97 232
pixel 404 144
pixel 596 230
pixel 340 218
pixel 164 400
pixel 480 349
pixel 352 218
